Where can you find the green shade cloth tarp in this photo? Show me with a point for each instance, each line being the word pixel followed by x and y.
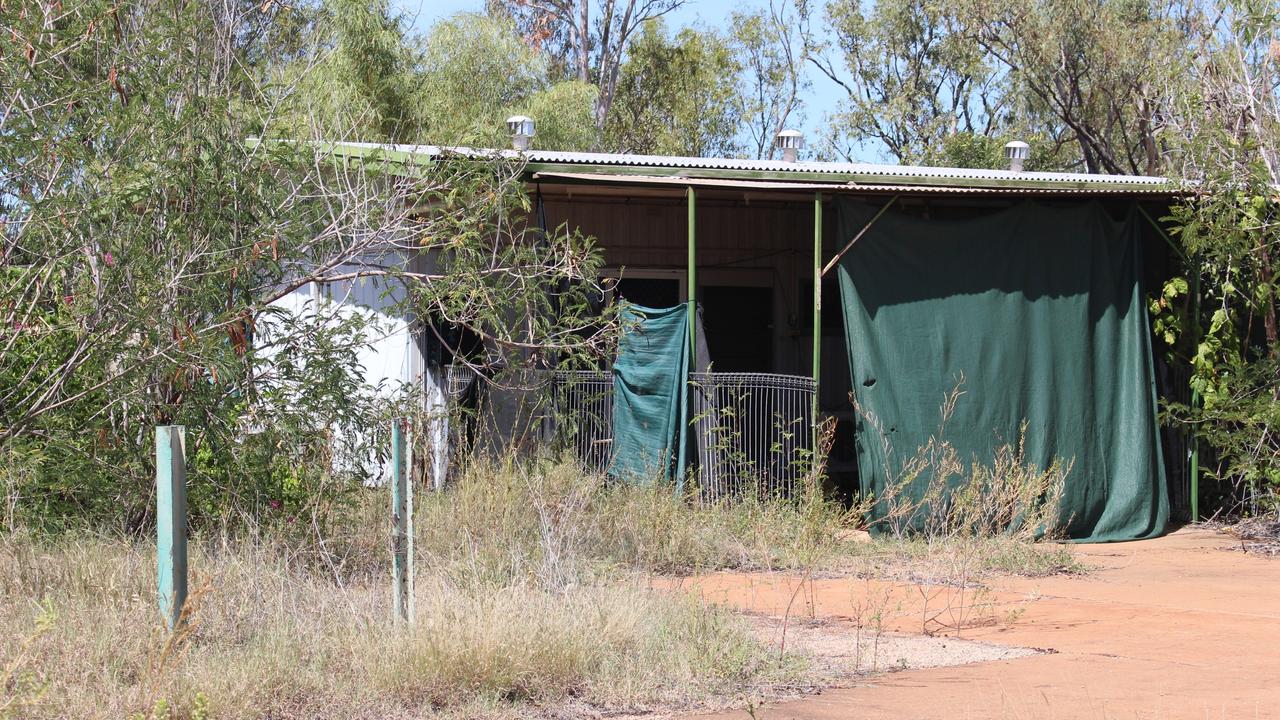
pixel 1039 309
pixel 649 393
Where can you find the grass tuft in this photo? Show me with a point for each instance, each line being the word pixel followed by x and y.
pixel 532 595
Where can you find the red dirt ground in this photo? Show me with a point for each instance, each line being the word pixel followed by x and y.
pixel 1178 627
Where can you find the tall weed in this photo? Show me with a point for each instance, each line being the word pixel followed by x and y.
pixel 935 495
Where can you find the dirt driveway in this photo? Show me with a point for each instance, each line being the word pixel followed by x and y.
pixel 1178 627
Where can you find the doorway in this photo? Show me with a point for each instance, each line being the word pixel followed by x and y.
pixel 738 323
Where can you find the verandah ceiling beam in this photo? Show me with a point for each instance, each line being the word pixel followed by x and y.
pixel 857 237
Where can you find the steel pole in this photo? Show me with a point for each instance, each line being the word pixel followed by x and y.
pixel 401 525
pixel 691 308
pixel 692 289
pixel 817 316
pixel 171 522
pixel 1195 393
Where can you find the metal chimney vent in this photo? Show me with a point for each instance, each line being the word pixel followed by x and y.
pixel 1016 152
pixel 522 131
pixel 789 142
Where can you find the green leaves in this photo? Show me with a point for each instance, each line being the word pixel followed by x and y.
pixel 676 95
pixel 927 81
pixel 141 243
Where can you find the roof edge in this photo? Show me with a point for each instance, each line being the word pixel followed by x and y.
pixel 773 171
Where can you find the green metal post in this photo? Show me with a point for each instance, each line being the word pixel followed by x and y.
pixel 693 281
pixel 1195 393
pixel 817 313
pixel 691 308
pixel 171 522
pixel 402 525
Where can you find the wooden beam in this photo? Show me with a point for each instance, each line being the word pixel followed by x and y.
pixel 856 238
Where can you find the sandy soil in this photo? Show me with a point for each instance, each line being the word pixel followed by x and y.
pixel 1183 626
pixel 841 649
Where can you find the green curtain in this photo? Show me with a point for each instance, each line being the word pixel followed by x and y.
pixel 1040 310
pixel 649 393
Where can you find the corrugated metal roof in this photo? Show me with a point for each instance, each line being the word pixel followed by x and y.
pixel 847 187
pixel 833 168
pixel 860 174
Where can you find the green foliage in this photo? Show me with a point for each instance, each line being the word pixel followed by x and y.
pixel 1231 342
pixel 1093 74
pixel 934 81
pixel 912 75
pixel 476 71
pixel 350 72
pixel 142 247
pixel 371 60
pixel 363 76
pixel 164 709
pixel 675 95
pixel 1227 330
pixel 1241 424
pixel 584 40
pixel 498 265
pixel 771 52
pixel 564 116
pixel 148 248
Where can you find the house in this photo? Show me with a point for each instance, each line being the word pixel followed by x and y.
pixel 745 240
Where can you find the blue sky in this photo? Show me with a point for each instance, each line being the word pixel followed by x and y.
pixel 821 98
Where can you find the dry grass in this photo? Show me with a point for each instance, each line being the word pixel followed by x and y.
pixel 268 639
pixel 934 494
pixel 532 599
pixel 548 523
pixel 524 521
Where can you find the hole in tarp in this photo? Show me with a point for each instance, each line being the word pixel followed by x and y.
pixel 868 382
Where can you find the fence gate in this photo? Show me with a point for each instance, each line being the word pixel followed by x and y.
pixel 752 434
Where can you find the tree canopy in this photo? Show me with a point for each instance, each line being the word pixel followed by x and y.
pixel 158 189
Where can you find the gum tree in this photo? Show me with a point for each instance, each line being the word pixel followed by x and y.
pixel 146 241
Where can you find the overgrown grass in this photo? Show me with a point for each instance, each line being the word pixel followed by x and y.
pixel 269 638
pixel 518 521
pixel 548 521
pixel 532 597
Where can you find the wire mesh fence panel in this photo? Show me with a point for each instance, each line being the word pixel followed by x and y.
pixel 754 432
pixel 583 416
pixel 559 410
pixel 458 379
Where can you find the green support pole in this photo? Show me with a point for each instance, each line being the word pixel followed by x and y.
pixel 693 282
pixel 402 525
pixel 817 314
pixel 691 295
pixel 171 522
pixel 1195 394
